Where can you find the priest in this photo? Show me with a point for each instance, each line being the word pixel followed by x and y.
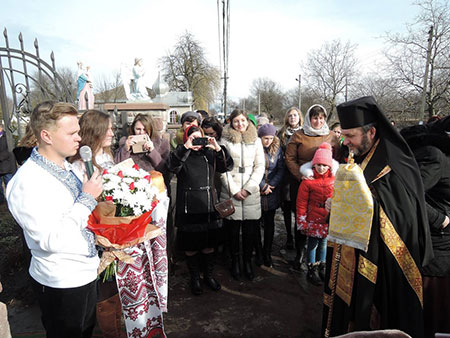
pixel 380 288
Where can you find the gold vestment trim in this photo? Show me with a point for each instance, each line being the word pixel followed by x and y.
pixel 401 254
pixel 367 269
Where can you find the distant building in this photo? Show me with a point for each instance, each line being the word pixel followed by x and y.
pixel 167 105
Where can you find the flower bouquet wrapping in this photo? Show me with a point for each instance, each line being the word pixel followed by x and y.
pixel 123 218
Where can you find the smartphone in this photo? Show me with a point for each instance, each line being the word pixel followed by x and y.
pixel 140 140
pixel 200 141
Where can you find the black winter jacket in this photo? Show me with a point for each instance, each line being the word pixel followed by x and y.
pixel 432 152
pixel 196 193
pixel 7 160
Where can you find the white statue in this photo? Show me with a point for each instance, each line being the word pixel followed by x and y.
pixel 134 81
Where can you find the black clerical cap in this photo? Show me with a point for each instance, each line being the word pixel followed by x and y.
pixel 358 113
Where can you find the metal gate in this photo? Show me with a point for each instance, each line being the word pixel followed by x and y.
pixel 25 80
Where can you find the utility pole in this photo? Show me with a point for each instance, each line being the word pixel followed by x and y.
pixel 425 76
pixel 259 103
pixel 299 91
pixel 225 41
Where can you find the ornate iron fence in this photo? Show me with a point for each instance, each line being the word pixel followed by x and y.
pixel 25 80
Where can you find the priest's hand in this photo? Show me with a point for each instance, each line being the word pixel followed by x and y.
pixel 328 204
pixel 445 223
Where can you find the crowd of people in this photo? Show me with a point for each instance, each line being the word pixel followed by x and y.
pixel 402 280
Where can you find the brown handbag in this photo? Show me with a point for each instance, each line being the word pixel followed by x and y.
pixel 224 208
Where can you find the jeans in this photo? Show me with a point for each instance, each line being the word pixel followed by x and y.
pixel 316 250
pixel 4 178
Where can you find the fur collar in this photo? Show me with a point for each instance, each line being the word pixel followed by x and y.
pixel 307 169
pixel 273 148
pixel 249 136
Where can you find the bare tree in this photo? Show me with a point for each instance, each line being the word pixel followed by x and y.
pixel 330 69
pixel 109 88
pixel 269 95
pixel 247 103
pixel 399 106
pixel 45 89
pixel 187 69
pixel 407 56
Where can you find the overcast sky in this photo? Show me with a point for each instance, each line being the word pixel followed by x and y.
pixel 269 38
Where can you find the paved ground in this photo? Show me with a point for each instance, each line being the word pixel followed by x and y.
pixel 277 303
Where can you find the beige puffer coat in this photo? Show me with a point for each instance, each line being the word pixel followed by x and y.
pixel 248 170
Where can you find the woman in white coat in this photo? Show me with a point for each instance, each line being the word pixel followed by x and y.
pixel 242 183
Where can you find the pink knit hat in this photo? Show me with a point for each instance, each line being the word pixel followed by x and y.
pixel 323 155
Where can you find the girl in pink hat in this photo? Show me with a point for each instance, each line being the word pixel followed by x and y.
pixel 312 218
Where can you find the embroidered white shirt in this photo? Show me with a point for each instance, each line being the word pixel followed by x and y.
pixel 49 205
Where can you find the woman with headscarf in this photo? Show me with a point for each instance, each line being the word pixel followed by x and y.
pixel 300 149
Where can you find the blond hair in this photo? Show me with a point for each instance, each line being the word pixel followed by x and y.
pixel 47 113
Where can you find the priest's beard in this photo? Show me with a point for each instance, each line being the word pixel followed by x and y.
pixel 364 147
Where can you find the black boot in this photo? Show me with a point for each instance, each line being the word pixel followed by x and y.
pixel 258 247
pixel 313 274
pixel 209 270
pixel 287 215
pixel 300 241
pixel 235 267
pixel 234 233
pixel 268 259
pixel 268 237
pixel 194 270
pixel 322 267
pixel 248 269
pixel 248 240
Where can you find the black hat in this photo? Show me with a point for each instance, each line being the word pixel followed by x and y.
pixel 358 113
pixel 189 114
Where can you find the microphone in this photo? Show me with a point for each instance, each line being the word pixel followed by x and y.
pixel 86 156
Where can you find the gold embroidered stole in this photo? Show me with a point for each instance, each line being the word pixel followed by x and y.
pixel 368 269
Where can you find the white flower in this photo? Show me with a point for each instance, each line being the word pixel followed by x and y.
pixel 140 198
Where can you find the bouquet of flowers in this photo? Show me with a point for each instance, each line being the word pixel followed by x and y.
pixel 123 219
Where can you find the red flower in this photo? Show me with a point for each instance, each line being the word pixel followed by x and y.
pixel 131 186
pixel 135 166
pixel 105 172
pixel 109 198
pixel 148 178
pixel 120 174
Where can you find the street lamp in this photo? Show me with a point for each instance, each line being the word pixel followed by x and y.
pixel 299 91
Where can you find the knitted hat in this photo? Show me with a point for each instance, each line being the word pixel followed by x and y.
pixel 266 129
pixel 323 155
pixel 189 114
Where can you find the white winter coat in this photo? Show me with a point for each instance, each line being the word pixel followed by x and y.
pixel 247 153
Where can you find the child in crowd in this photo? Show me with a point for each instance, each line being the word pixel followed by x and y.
pixel 315 189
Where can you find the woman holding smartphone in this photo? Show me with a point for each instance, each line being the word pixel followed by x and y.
pixel 195 163
pixel 149 152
